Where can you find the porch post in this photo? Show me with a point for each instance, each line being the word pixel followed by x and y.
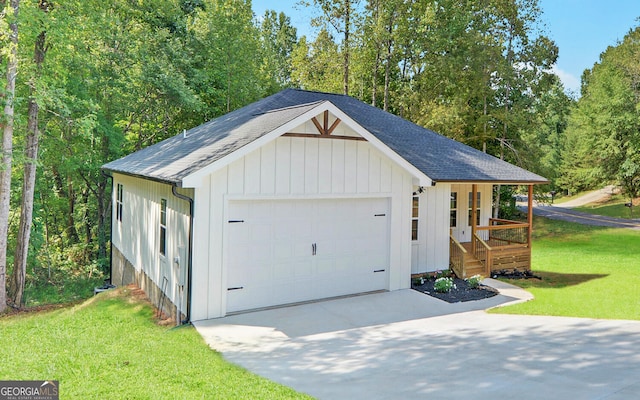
pixel 474 189
pixel 530 214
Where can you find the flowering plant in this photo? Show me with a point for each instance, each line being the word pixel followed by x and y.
pixel 444 285
pixel 474 281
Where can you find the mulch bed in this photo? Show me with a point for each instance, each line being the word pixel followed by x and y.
pixel 462 292
pixel 511 274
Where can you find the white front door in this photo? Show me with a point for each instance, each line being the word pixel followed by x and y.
pixel 286 251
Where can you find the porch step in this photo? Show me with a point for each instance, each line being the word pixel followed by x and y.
pixel 474 268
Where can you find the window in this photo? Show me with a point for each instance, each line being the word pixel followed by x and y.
pixel 119 202
pixel 453 214
pixel 414 218
pixel 163 226
pixel 477 207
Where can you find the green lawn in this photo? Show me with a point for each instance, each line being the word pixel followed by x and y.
pixel 110 348
pixel 613 208
pixel 586 272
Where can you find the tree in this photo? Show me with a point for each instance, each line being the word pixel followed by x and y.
pixel 342 15
pixel 314 66
pixel 7 143
pixel 29 179
pixel 604 127
pixel 278 39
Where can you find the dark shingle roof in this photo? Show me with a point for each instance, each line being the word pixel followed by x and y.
pixel 438 157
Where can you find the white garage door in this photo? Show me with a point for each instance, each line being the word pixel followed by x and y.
pixel 287 251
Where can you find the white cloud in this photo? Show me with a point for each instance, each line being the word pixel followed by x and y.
pixel 571 83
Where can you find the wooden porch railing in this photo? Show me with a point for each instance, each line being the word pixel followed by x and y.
pixel 503 245
pixel 483 252
pixel 503 231
pixel 457 256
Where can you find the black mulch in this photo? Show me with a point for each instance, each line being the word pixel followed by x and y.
pixel 462 292
pixel 511 274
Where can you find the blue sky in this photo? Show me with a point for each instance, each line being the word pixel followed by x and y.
pixel 582 29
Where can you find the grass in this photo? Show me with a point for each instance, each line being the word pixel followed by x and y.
pixel 586 272
pixel 110 347
pixel 614 207
pixel 61 287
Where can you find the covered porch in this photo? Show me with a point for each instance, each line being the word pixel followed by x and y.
pixel 501 245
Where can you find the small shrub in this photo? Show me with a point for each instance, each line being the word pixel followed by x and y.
pixel 474 281
pixel 444 285
pixel 443 274
pixel 419 280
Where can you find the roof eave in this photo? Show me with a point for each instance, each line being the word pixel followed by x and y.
pixel 496 181
pixel 172 182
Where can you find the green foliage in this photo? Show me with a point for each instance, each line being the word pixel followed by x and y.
pixel 446 273
pixel 120 76
pixel 603 136
pixel 315 66
pixel 588 272
pixel 507 206
pixel 109 346
pixel 443 285
pixel 277 38
pixel 474 281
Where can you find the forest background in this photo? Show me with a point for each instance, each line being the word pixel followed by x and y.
pixel 86 82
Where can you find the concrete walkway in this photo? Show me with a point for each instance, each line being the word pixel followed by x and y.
pixel 405 344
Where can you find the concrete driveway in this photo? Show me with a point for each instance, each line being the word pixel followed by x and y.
pixel 404 344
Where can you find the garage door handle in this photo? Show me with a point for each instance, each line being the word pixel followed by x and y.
pixel 236 288
pixel 314 247
pixel 378 270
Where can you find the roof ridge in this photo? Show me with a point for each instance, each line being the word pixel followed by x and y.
pixel 320 92
pixel 293 107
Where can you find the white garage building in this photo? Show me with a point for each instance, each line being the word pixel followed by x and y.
pixel 299 196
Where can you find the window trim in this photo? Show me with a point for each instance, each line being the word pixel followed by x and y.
pixel 119 201
pixel 478 202
pixel 415 218
pixel 453 210
pixel 163 228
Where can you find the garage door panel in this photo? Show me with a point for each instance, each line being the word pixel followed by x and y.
pixel 325 267
pixel 271 253
pixel 303 269
pixel 283 272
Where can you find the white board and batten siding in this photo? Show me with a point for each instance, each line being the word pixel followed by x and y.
pixel 431 251
pixel 289 169
pixel 138 235
pixel 462 230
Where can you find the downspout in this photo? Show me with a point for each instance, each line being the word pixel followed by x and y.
pixel 110 229
pixel 174 188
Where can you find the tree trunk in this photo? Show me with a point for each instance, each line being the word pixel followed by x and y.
pixel 7 149
pixel 374 79
pixel 346 49
pixel 505 125
pixel 387 63
pixel 26 214
pixel 72 233
pixel 103 211
pixel 29 177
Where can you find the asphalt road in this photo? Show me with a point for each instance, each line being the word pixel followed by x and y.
pixel 566 214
